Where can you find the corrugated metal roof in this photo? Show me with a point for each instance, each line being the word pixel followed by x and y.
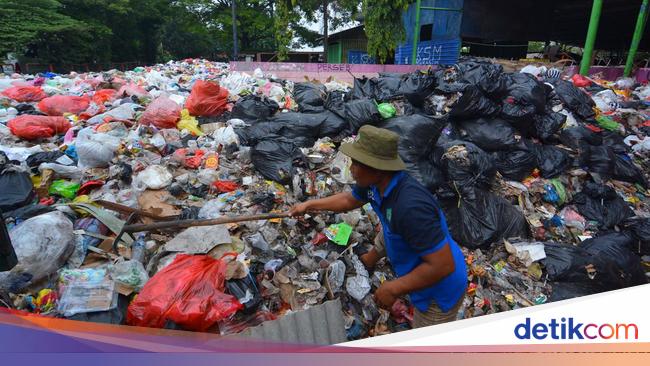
pixel 320 325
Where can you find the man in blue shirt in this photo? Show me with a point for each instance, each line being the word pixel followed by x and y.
pixel 429 264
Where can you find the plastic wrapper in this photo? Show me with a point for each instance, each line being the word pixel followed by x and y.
pixel 131 274
pixel 85 290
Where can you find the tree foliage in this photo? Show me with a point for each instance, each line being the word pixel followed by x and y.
pixel 383 26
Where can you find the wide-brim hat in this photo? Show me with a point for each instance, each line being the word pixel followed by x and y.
pixel 376 148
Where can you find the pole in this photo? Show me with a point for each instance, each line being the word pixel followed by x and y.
pixel 234 31
pixel 585 65
pixel 416 32
pixel 326 20
pixel 636 38
pixel 181 224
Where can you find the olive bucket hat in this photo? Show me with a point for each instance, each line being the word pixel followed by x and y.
pixel 376 148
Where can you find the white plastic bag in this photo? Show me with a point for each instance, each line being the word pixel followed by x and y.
pixel 43 245
pixel 225 136
pixel 154 177
pixel 124 111
pixel 63 171
pixel 95 150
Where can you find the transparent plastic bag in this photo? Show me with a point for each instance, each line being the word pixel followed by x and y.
pixel 86 290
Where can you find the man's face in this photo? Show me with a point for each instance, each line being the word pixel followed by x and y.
pixel 363 174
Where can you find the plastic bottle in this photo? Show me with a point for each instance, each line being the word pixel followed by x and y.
pixel 138 249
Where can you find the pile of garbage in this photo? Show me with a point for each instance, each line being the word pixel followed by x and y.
pixel 543 182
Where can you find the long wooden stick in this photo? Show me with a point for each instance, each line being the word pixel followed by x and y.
pixel 179 224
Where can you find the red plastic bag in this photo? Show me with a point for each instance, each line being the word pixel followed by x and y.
pixel 225 186
pixel 207 99
pixel 25 93
pixel 580 81
pixel 57 105
pixel 189 160
pixel 30 127
pixel 105 95
pixel 162 113
pixel 188 292
pixel 132 89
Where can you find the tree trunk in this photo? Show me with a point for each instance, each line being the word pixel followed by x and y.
pixel 326 19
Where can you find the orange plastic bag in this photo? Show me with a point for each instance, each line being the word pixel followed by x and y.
pixel 30 127
pixel 207 99
pixel 25 93
pixel 188 292
pixel 162 113
pixel 57 105
pixel 105 95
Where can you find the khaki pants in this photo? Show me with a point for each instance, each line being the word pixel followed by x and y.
pixel 433 315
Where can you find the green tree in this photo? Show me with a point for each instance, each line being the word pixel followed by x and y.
pixel 38 29
pixel 383 26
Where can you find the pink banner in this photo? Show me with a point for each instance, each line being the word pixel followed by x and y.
pixel 343 72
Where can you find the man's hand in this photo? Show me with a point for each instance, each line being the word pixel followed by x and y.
pixel 386 295
pixel 299 209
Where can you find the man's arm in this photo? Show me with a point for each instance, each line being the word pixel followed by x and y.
pixel 434 267
pixel 339 202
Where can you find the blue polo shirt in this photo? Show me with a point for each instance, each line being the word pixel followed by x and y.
pixel 414 226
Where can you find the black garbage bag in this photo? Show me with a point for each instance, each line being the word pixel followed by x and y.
pixel 615 141
pixel 488 77
pixel 387 88
pixel 274 159
pixel 8 258
pixel 28 211
pixel 490 134
pixel 466 165
pixel 418 134
pixel 473 104
pixel 600 203
pixel 361 112
pixel 254 108
pixel 363 88
pixel 300 128
pixel 577 137
pixel 309 96
pixel 523 91
pixel 484 219
pixel 618 248
pixel 577 271
pixel 546 125
pixel 335 102
pixel 16 189
pixel 603 160
pixel 35 160
pixel 551 160
pixel 515 164
pixel 639 229
pixel 242 289
pixel 427 173
pixel 416 86
pixel 574 99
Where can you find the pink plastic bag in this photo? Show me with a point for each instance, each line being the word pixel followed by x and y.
pixel 30 127
pixel 57 105
pixel 132 89
pixel 188 292
pixel 162 113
